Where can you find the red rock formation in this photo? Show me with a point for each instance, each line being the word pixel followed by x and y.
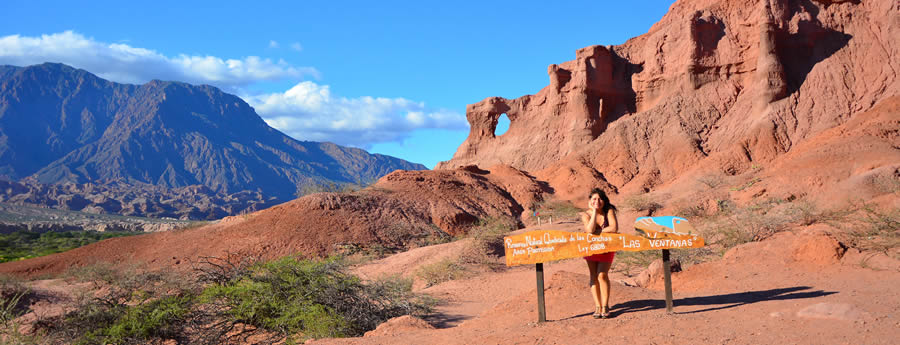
pixel 715 84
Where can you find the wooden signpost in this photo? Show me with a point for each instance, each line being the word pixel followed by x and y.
pixel 656 233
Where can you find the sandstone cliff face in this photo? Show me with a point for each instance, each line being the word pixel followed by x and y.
pixel 714 85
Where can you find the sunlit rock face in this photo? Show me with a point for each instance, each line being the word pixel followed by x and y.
pixel 718 84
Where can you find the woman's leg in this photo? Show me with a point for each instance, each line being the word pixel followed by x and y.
pixel 603 280
pixel 595 284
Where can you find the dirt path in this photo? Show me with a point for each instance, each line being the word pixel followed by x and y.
pixel 765 292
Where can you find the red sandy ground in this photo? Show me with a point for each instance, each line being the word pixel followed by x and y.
pixel 794 288
pixel 779 291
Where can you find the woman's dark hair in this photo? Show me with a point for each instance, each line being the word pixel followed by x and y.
pixel 606 204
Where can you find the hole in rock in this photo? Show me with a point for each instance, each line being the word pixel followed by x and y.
pixel 502 125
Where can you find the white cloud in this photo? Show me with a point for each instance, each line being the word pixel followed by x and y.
pixel 126 64
pixel 309 111
pixel 273 44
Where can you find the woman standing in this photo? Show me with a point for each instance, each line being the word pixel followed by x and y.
pixel 599 218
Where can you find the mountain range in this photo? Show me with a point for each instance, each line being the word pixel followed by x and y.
pixel 61 125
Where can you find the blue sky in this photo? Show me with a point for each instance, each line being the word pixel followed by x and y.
pixel 392 77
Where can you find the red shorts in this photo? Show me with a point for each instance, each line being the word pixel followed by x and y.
pixel 605 257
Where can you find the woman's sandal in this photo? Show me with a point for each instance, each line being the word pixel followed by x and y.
pixel 598 314
pixel 605 313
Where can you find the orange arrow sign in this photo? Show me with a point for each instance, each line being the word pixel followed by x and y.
pixel 550 245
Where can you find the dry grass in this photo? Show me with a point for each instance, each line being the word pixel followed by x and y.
pixel 628 261
pixel 712 180
pixel 741 225
pixel 805 212
pixel 869 228
pixel 747 184
pixel 486 247
pixel 558 210
pixel 643 203
pixel 886 183
pixel 485 250
pixel 441 271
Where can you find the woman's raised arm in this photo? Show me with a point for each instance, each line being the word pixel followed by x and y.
pixel 589 218
pixel 613 223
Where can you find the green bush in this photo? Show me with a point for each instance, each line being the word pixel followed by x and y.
pixel 125 306
pixel 282 298
pixel 314 297
pixel 159 318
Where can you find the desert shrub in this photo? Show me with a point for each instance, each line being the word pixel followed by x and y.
pixel 159 318
pixel 441 271
pixel 486 246
pixel 725 206
pixel 873 229
pixel 642 203
pixel 746 224
pixel 747 184
pixel 690 211
pixel 711 180
pixel 281 298
pixel 222 270
pixel 889 183
pixel 394 238
pixel 807 213
pixel 360 254
pixel 125 306
pixel 688 257
pixel 394 294
pixel 704 204
pixel 14 298
pixel 401 236
pixel 629 260
pixel 434 235
pixel 314 297
pixel 559 210
pixel 127 283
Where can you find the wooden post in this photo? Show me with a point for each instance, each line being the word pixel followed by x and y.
pixel 542 312
pixel 667 274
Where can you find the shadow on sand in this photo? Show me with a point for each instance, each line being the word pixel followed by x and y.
pixel 445 320
pixel 718 302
